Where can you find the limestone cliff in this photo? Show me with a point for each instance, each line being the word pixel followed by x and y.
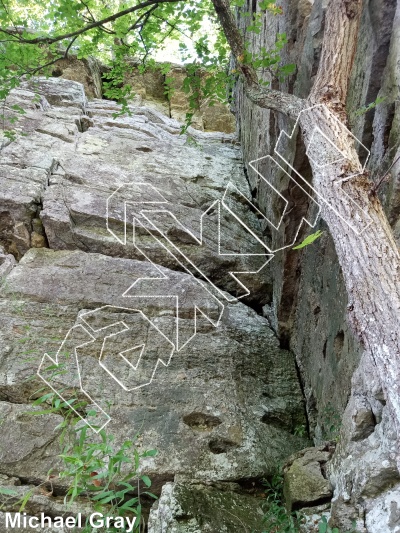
pixel 226 410
pixel 258 373
pixel 309 303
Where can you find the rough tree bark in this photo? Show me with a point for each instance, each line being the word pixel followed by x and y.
pixel 288 104
pixel 369 258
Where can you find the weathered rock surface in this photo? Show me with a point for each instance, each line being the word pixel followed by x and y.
pixel 228 406
pixel 79 172
pixel 57 182
pixel 385 512
pixel 165 92
pixel 88 72
pixel 197 509
pixel 7 263
pixel 230 396
pixel 159 87
pixel 309 303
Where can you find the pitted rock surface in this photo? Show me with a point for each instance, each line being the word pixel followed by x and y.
pixel 228 405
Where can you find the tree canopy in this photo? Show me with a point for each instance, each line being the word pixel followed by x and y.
pixel 35 34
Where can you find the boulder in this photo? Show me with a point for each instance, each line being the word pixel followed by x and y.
pixel 305 481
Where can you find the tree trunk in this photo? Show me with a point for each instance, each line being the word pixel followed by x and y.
pixel 367 253
pixel 364 242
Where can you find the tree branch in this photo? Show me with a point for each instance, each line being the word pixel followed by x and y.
pixel 337 57
pixel 88 10
pixel 69 47
pixel 88 27
pixel 8 13
pixel 287 104
pixel 174 27
pixel 235 39
pixel 144 16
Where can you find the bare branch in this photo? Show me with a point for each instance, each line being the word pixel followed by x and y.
pixel 69 47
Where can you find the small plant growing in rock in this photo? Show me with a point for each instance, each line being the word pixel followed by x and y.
pixel 331 423
pixel 324 527
pixel 95 468
pixel 370 106
pixel 300 430
pixel 277 518
pixel 309 240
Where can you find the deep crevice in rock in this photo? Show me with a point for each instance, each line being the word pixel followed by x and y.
pixel 301 381
pixel 297 506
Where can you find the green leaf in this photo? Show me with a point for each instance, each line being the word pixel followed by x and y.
pixel 43 398
pixel 127 506
pixel 18 108
pixel 323 525
pixel 37 413
pixel 107 499
pixel 309 240
pixel 25 500
pixel 151 495
pixel 146 480
pixel 104 494
pixel 288 69
pixel 150 453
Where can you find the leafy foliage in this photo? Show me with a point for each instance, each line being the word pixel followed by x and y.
pixel 277 519
pixel 104 472
pixel 301 430
pixel 269 60
pixel 324 527
pixel 34 35
pixel 95 467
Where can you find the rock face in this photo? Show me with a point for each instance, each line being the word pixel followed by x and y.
pixel 197 509
pixel 186 407
pixel 309 303
pixel 92 207
pixel 159 87
pixel 88 72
